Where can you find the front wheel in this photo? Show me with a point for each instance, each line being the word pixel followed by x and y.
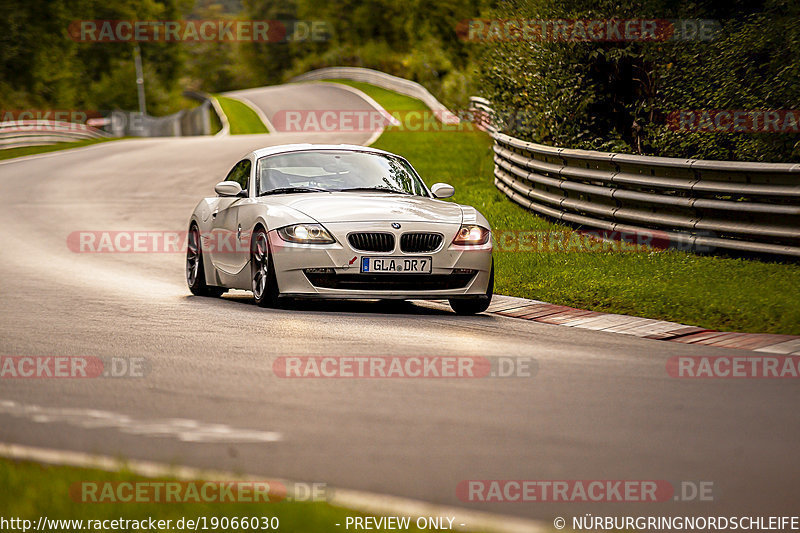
pixel 265 284
pixel 195 271
pixel 475 304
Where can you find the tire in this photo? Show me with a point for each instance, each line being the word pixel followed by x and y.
pixel 195 271
pixel 262 271
pixel 477 304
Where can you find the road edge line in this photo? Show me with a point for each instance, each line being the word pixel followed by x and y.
pixel 54 153
pixel 257 110
pixel 223 117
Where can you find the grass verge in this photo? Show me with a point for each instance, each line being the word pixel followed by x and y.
pixel 716 292
pixel 240 116
pixel 32 150
pixel 32 490
pixel 213 119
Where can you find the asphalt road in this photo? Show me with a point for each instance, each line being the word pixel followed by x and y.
pixel 274 103
pixel 600 407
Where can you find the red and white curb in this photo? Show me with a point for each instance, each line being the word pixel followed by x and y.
pixel 646 328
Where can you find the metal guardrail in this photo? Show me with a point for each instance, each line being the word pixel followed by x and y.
pixel 196 121
pixel 385 81
pixel 482 114
pixel 21 133
pixel 186 122
pixel 216 107
pixel 702 205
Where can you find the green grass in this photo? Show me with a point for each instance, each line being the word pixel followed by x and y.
pixel 32 490
pixel 241 117
pixel 32 150
pixel 716 292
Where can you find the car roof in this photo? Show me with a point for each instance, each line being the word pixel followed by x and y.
pixel 284 148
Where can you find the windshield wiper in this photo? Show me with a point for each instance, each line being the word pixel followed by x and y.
pixel 378 189
pixel 282 190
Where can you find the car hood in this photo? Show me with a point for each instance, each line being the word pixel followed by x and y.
pixel 354 207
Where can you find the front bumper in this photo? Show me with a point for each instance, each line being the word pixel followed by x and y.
pixel 457 271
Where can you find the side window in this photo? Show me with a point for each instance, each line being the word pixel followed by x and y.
pixel 240 173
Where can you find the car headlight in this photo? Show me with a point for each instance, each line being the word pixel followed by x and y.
pixel 472 235
pixel 306 234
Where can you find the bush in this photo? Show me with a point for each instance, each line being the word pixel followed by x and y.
pixel 618 96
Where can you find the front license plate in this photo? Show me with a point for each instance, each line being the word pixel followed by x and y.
pixel 394 265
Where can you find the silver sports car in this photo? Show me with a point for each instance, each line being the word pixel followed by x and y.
pixel 338 221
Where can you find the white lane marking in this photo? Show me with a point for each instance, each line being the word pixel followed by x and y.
pixel 225 130
pixel 365 502
pixel 258 111
pixel 183 429
pixel 56 153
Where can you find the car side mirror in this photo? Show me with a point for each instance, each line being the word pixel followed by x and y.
pixel 442 190
pixel 228 188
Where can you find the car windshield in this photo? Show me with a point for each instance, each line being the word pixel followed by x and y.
pixel 337 171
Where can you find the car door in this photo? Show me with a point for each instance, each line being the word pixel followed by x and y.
pixel 229 252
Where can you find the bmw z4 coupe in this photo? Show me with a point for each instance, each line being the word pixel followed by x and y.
pixel 338 221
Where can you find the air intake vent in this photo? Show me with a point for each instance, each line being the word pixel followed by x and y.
pixel 420 242
pixel 391 282
pixel 372 242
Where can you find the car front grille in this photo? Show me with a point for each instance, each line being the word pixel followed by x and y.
pixel 372 242
pixel 391 282
pixel 420 242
